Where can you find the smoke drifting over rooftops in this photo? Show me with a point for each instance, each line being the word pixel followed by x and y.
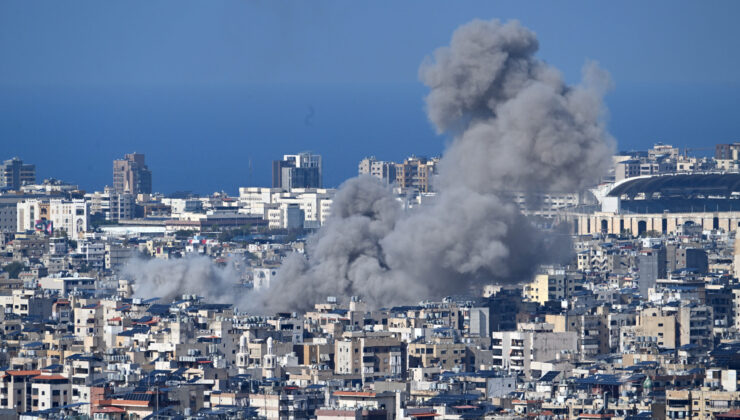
pixel 170 279
pixel 516 126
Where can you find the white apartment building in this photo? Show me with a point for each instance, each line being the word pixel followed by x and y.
pixel 325 210
pixel 184 205
pixel 285 216
pixel 70 216
pixel 546 204
pixel 50 391
pixel 269 203
pixel 66 285
pixel 112 205
pixel 253 199
pixel 116 256
pixel 384 171
pixel 93 252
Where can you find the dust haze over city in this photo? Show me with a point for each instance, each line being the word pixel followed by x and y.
pixel 345 211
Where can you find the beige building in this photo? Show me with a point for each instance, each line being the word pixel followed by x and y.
pixel 372 355
pixel 638 223
pixel 15 390
pixel 699 404
pixel 416 173
pixel 384 171
pixel 50 391
pixel 88 321
pixel 555 285
pixel 591 329
pixel 442 354
pixel 652 327
pixel 695 325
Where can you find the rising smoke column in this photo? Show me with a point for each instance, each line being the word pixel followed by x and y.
pixel 517 126
pixel 345 257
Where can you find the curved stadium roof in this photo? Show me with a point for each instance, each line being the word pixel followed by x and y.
pixel 680 185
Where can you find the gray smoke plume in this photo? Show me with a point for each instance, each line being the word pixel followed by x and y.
pixel 517 126
pixel 346 250
pixel 170 279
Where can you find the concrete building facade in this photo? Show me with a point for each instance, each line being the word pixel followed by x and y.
pixel 14 174
pixel 131 175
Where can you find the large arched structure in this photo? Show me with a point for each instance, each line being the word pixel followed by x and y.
pixel 663 204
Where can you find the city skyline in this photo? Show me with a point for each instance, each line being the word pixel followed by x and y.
pixel 241 106
pixel 538 216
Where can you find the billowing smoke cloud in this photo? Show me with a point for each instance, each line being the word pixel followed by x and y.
pixel 346 250
pixel 170 279
pixel 516 126
pixel 520 126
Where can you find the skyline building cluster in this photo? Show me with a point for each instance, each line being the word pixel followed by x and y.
pixel 135 305
pixel 530 271
pixel 414 173
pixel 302 170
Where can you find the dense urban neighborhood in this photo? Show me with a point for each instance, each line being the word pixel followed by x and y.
pixel 640 320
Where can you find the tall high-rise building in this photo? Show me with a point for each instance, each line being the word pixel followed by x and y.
pixel 302 170
pixel 384 171
pixel 14 173
pixel 651 264
pixel 131 175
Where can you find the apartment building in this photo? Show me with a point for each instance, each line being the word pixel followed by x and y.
pixel 384 171
pixel 444 354
pixel 555 285
pixel 516 350
pixel 370 355
pixel 50 391
pixel 70 216
pixel 14 174
pixel 417 173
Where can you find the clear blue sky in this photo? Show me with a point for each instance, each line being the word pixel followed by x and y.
pixel 203 88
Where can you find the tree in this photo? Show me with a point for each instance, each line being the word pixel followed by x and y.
pixel 14 269
pixel 226 235
pixel 183 233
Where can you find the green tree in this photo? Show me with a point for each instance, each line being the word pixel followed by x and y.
pixel 14 269
pixel 183 233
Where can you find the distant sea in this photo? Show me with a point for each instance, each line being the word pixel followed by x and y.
pixel 207 139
